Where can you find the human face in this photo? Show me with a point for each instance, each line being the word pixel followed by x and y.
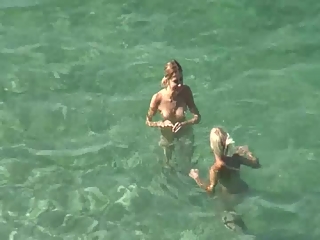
pixel 176 82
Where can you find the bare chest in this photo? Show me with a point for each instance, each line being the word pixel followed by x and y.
pixel 173 109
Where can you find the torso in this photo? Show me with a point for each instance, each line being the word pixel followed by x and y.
pixel 230 178
pixel 232 168
pixel 173 110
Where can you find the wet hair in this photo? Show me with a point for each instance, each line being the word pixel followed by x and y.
pixel 171 68
pixel 218 139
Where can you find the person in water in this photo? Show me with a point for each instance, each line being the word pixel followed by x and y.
pixel 226 171
pixel 172 102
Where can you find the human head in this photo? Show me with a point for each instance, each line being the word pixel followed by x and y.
pixel 173 77
pixel 218 141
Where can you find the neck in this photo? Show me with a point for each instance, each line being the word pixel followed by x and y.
pixel 170 93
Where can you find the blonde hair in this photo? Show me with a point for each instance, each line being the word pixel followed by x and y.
pixel 218 138
pixel 170 68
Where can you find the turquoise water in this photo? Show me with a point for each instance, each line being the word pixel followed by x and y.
pixel 78 162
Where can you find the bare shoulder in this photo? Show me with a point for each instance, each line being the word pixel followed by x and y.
pixel 186 92
pixel 161 92
pixel 187 89
pixel 156 98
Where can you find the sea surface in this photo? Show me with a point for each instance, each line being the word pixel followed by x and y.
pixel 77 161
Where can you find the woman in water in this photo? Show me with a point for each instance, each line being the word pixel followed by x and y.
pixel 226 171
pixel 172 103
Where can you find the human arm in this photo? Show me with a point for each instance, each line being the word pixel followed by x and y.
pixel 247 158
pixel 213 179
pixel 192 108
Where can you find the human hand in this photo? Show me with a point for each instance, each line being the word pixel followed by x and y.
pixel 177 126
pixel 166 123
pixel 194 173
pixel 243 149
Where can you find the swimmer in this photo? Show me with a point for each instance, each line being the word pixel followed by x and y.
pixel 226 171
pixel 172 102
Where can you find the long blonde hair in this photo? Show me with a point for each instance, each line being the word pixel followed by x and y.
pixel 220 142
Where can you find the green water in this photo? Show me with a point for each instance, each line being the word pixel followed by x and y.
pixel 78 162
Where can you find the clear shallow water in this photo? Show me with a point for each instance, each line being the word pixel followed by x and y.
pixel 77 161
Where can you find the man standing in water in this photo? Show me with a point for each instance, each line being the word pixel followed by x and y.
pixel 172 103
